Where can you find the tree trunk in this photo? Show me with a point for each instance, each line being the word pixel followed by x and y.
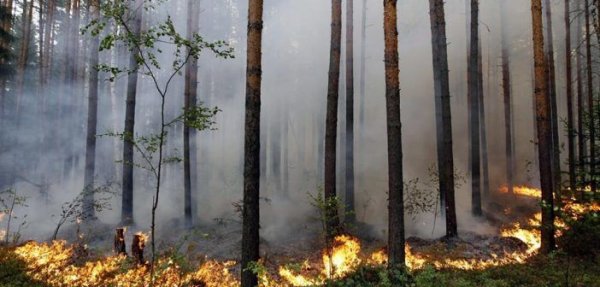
pixel 129 132
pixel 190 93
pixel 552 91
pixel 92 121
pixel 474 111
pixel 569 71
pixel 251 209
pixel 482 123
pixel 350 213
pixel 580 107
pixel 506 88
pixel 361 116
pixel 543 109
pixel 443 113
pixel 332 219
pixel 590 94
pixel 119 242
pixel 397 255
pixel 24 51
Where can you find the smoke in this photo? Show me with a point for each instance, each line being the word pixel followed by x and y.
pixel 47 144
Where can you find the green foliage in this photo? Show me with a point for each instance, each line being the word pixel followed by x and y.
pixel 13 271
pixel 9 201
pixel 72 211
pixel 582 236
pixel 323 205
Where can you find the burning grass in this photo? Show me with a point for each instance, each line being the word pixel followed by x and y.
pixel 60 264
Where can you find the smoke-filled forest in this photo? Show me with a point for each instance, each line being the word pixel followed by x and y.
pixel 299 143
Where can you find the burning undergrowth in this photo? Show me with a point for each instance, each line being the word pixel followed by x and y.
pixel 58 263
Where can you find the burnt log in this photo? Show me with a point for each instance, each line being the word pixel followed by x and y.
pixel 137 247
pixel 119 244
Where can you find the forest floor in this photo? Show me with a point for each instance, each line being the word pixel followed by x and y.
pixel 206 256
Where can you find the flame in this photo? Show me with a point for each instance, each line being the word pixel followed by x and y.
pixel 344 256
pixel 523 191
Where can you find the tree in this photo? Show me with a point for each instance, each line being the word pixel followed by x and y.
pixel 350 213
pixel 553 102
pixel 506 88
pixel 92 120
pixel 544 131
pixel 332 225
pixel 580 109
pixel 443 113
pixel 482 124
pixel 189 135
pixel 590 94
pixel 397 255
pixel 473 82
pixel 26 21
pixel 251 206
pixel 569 93
pixel 363 60
pixel 129 131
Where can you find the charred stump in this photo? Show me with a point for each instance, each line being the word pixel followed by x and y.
pixel 137 247
pixel 119 244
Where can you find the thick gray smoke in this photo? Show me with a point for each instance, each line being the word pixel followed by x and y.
pixel 295 68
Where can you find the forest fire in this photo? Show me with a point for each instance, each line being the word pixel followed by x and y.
pixel 523 191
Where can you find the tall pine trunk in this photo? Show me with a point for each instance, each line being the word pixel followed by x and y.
pixel 332 220
pixel 362 80
pixel 580 107
pixel 553 101
pixel 590 95
pixel 506 88
pixel 92 120
pixel 27 19
pixel 569 82
pixel 397 255
pixel 473 80
pixel 482 124
pixel 129 132
pixel 350 212
pixel 443 113
pixel 190 100
pixel 543 110
pixel 251 207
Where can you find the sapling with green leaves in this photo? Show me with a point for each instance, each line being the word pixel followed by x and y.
pixel 9 200
pixel 147 45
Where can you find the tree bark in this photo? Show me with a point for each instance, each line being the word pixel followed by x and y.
pixel 23 51
pixel 506 88
pixel 332 219
pixel 569 83
pixel 552 91
pixel 251 208
pixel 92 121
pixel 397 255
pixel 474 111
pixel 129 132
pixel 543 110
pixel 443 113
pixel 582 147
pixel 350 215
pixel 482 124
pixel 590 94
pixel 190 100
pixel 361 116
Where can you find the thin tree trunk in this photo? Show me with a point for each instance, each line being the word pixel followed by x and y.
pixel 580 106
pixel 590 94
pixel 443 115
pixel 361 116
pixel 474 111
pixel 569 82
pixel 482 124
pixel 189 134
pixel 129 132
pixel 506 88
pixel 251 208
pixel 543 109
pixel 92 121
pixel 24 51
pixel 332 219
pixel 552 91
pixel 397 255
pixel 350 211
